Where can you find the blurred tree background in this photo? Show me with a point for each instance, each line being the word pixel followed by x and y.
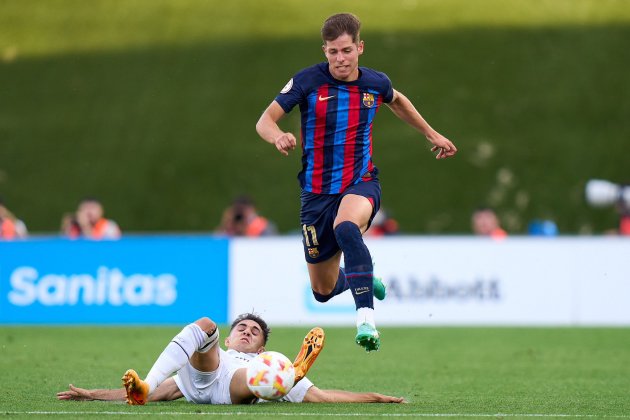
pixel 150 105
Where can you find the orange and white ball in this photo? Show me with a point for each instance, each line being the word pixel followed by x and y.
pixel 270 375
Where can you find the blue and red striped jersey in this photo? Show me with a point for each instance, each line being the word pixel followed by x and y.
pixel 337 121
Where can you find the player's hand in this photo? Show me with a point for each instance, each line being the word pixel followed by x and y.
pixel 285 143
pixel 75 394
pixel 443 146
pixel 380 398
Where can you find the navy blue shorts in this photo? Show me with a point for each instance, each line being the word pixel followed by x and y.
pixel 318 213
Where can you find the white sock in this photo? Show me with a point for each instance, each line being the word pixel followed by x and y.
pixel 365 315
pixel 176 354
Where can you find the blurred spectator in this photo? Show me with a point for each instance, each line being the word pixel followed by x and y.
pixel 542 228
pixel 624 226
pixel 242 219
pixel 383 224
pixel 89 222
pixel 623 208
pixel 486 223
pixel 10 226
pixel 601 193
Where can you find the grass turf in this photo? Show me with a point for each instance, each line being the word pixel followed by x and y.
pixel 442 372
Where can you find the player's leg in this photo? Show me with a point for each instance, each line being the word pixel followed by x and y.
pixel 353 217
pixel 206 357
pixel 194 341
pixel 321 250
pixel 239 391
pixel 327 278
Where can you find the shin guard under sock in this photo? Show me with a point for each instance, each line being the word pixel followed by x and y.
pixel 358 262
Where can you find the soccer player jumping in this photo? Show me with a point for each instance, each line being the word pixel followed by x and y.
pixel 340 189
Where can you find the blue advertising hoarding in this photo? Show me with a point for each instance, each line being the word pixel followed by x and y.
pixel 134 280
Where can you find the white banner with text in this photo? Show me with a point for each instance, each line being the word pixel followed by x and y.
pixel 446 281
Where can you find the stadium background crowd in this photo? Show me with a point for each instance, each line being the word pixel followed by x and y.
pixel 151 106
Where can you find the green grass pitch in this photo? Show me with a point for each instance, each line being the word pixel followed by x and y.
pixel 442 372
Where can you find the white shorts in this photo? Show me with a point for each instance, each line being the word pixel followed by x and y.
pixel 205 387
pixel 214 387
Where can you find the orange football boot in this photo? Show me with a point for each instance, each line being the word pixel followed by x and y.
pixel 311 346
pixel 137 389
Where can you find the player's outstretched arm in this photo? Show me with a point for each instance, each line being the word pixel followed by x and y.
pixel 80 394
pixel 402 107
pixel 167 391
pixel 316 395
pixel 267 128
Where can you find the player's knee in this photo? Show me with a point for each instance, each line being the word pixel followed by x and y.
pixel 206 324
pixel 322 297
pixel 322 290
pixel 347 230
pixel 211 336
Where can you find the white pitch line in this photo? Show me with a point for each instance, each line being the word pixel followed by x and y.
pixel 270 414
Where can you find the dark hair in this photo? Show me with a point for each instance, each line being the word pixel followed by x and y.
pixel 240 205
pixel 243 200
pixel 253 317
pixel 339 24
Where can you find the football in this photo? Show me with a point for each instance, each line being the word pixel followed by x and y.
pixel 270 375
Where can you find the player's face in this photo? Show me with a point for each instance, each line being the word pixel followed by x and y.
pixel 246 337
pixel 343 57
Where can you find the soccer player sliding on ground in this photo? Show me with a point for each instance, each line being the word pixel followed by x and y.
pixel 341 193
pixel 207 374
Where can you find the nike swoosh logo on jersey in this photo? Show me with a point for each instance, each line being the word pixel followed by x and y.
pixel 361 291
pixel 325 98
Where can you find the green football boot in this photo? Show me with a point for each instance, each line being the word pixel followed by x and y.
pixel 367 337
pixel 379 289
